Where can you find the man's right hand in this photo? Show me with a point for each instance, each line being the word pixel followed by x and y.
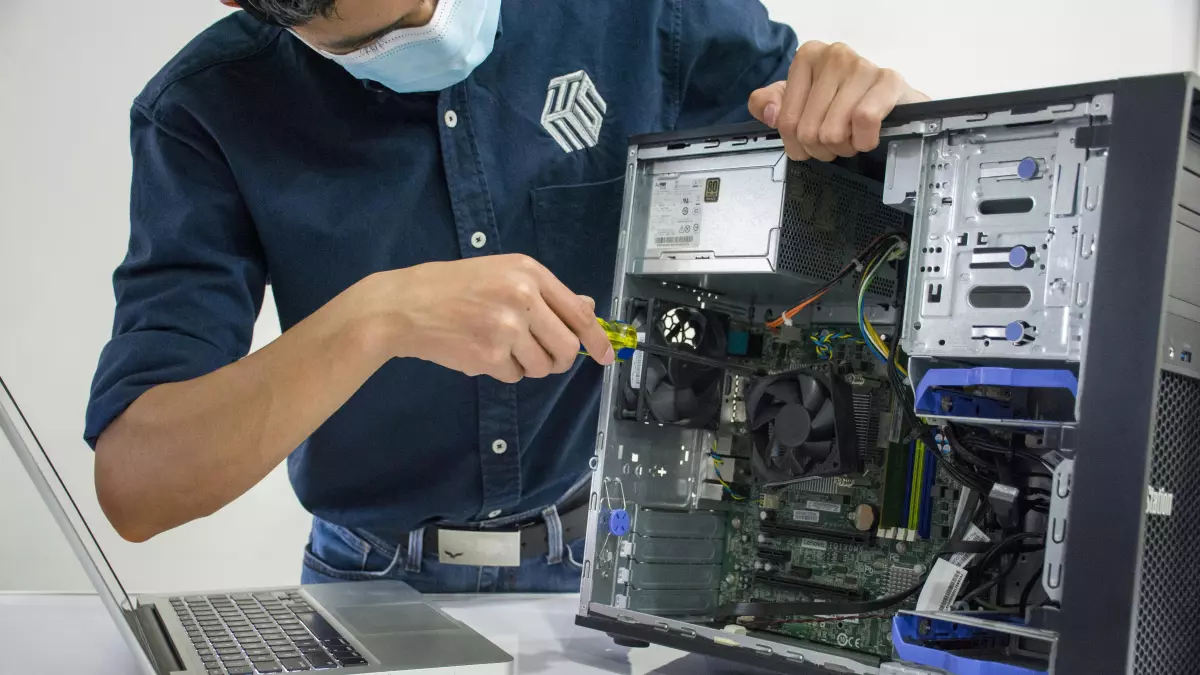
pixel 188 448
pixel 505 316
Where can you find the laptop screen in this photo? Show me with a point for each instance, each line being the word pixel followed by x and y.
pixel 62 505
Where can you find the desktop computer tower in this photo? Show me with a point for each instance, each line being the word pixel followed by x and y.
pixel 935 408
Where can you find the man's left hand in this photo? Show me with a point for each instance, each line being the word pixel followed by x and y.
pixel 833 102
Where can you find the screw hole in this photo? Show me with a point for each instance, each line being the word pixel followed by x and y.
pixel 1043 267
pixel 987 343
pixel 941 343
pixel 937 269
pixel 1045 246
pixel 939 249
pixel 917 326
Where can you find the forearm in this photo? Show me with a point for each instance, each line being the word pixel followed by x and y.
pixel 183 450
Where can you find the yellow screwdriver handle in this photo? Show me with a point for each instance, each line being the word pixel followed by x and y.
pixel 622 336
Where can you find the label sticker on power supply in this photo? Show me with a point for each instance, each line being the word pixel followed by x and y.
pixel 814 545
pixel 828 507
pixel 942 587
pixel 806 516
pixel 973 534
pixel 675 212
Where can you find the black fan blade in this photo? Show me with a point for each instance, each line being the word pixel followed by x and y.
pixel 784 391
pixel 811 392
pixel 662 404
pixel 686 404
pixel 823 424
pixel 794 462
pixel 766 413
pixel 816 450
pixel 761 463
pixel 656 372
pixel 778 456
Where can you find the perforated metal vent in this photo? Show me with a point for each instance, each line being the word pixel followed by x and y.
pixel 1169 604
pixel 828 217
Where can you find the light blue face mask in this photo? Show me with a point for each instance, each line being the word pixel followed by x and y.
pixel 432 57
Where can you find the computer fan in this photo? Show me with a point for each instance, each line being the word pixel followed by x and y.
pixel 658 387
pixel 689 330
pixel 683 393
pixel 802 423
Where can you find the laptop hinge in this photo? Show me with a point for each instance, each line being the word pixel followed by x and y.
pixel 148 626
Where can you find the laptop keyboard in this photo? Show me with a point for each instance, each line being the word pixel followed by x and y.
pixel 270 632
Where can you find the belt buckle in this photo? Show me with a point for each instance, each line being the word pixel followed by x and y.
pixel 479 548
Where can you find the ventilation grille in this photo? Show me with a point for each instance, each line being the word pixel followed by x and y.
pixel 828 218
pixel 1169 604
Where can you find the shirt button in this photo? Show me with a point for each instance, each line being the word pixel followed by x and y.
pixel 495 514
pixel 478 239
pixel 451 118
pixel 499 446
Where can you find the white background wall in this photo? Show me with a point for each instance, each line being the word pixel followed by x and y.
pixel 68 75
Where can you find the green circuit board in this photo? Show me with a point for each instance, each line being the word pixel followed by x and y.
pixel 817 551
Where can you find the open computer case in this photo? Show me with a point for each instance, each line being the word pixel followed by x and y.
pixel 930 409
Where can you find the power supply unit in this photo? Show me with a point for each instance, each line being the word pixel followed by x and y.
pixel 936 408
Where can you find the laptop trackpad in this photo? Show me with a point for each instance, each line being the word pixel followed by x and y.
pixel 394 618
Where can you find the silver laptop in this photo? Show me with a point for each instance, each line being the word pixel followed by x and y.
pixel 364 627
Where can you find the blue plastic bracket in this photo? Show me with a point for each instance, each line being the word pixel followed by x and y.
pixel 904 627
pixel 991 376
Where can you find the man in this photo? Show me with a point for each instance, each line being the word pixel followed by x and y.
pixel 433 239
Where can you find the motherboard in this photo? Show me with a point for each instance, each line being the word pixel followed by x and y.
pixel 851 537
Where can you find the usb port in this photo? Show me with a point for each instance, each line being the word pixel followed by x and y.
pixel 1186 357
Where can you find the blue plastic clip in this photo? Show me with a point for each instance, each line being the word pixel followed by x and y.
pixel 618 522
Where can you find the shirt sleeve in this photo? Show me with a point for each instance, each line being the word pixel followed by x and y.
pixel 193 278
pixel 728 48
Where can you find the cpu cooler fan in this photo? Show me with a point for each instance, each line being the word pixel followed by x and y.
pixel 803 426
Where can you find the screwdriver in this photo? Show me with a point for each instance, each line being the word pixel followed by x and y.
pixel 622 336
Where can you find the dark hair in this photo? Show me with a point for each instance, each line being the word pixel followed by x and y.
pixel 289 12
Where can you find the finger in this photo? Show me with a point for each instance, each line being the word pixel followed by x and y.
pixel 591 303
pixel 873 107
pixel 837 131
pixel 795 94
pixel 839 59
pixel 578 317
pixel 766 103
pixel 556 340
pixel 509 372
pixel 532 357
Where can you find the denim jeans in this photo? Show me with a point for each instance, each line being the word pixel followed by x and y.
pixel 336 553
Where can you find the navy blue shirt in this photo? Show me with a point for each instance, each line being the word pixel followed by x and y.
pixel 256 161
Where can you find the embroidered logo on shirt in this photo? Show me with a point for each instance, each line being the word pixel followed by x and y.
pixel 574 111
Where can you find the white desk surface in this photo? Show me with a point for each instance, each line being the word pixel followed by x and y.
pixel 53 634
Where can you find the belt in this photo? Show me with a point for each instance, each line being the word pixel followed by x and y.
pixel 507 547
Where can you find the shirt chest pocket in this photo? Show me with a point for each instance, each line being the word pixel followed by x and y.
pixel 577 228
